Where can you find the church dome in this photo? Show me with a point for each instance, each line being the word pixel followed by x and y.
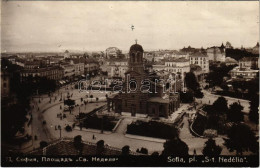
pixel 136 47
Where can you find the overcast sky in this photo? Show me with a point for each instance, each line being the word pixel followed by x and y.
pixel 95 26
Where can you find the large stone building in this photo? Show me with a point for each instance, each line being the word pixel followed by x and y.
pixel 136 98
pixel 118 67
pixel 244 73
pixel 52 73
pixel 201 60
pixel 112 52
pixel 249 62
pixel 179 66
pixel 217 53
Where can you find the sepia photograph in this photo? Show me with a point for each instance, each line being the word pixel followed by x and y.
pixel 129 83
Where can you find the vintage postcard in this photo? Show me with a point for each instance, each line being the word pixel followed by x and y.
pixel 129 83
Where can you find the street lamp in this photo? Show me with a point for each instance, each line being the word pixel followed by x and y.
pixel 59 128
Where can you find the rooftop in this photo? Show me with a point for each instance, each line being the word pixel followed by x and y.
pixel 198 54
pixel 249 59
pixel 182 59
pixel 158 100
pixel 136 47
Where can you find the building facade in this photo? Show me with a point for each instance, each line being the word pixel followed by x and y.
pixel 52 73
pixel 112 52
pixel 249 62
pixel 217 53
pixel 118 67
pixel 5 84
pixel 201 60
pixel 243 73
pixel 135 99
pixel 178 66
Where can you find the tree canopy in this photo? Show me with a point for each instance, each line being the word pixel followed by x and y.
pixel 241 138
pixel 192 84
pixel 175 147
pixel 211 149
pixel 235 113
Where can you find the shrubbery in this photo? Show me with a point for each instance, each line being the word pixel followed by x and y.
pixel 152 129
pixel 96 123
pixel 199 124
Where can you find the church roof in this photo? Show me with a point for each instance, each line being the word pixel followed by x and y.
pixel 136 47
pixel 158 100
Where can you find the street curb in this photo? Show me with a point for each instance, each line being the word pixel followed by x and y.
pixel 158 140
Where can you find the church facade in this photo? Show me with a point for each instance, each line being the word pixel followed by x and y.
pixel 137 97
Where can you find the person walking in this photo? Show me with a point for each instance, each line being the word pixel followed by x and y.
pixel 194 152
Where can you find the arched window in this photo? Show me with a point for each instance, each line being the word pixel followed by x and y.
pixel 133 84
pixel 133 57
pixel 140 57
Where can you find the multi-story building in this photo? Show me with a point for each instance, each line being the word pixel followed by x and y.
pixel 217 53
pixel 112 52
pixel 201 60
pixel 52 73
pixel 118 67
pixel 249 62
pixel 159 66
pixel 5 84
pixel 32 64
pixel 68 71
pixel 91 66
pixel 178 66
pixel 243 73
pixel 158 57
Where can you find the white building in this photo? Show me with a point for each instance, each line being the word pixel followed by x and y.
pixel 201 60
pixel 243 73
pixel 118 67
pixel 178 66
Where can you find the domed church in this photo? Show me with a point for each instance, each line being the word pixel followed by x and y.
pixel 141 95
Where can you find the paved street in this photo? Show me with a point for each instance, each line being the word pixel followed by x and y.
pixel 209 98
pixel 48 112
pixel 197 143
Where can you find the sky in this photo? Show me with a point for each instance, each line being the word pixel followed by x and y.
pixel 45 26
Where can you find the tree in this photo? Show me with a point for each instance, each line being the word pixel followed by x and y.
pixel 186 97
pixel 143 151
pixel 78 143
pixel 68 128
pixel 254 110
pixel 235 113
pixel 155 154
pixel 211 149
pixel 191 81
pixel 126 150
pixel 220 105
pixel 100 147
pixel 69 103
pixel 175 147
pixel 192 84
pixel 198 94
pixel 241 138
pixel 43 144
pixel 217 73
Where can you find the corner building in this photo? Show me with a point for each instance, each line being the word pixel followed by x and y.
pixel 133 99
